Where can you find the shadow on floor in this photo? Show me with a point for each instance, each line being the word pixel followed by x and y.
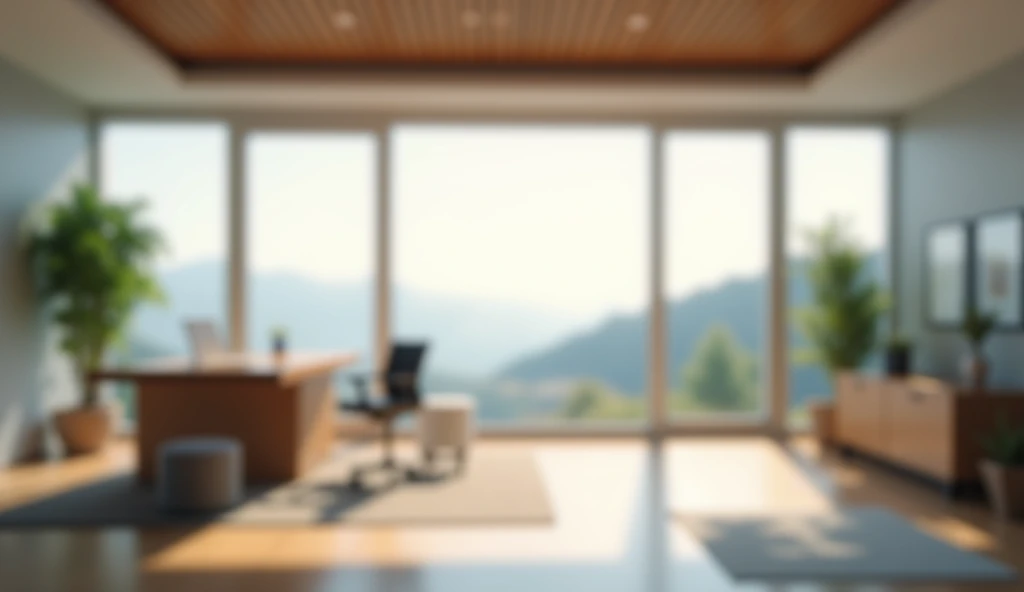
pixel 119 501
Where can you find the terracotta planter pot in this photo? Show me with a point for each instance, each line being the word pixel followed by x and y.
pixel 84 431
pixel 823 422
pixel 1005 487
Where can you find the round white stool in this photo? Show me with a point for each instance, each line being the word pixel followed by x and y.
pixel 199 474
pixel 446 421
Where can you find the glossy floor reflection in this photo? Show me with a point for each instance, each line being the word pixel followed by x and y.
pixel 614 500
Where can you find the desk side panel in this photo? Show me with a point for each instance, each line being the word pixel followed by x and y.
pixel 316 420
pixel 260 414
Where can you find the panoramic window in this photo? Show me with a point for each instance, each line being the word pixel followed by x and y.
pixel 180 171
pixel 310 218
pixel 838 175
pixel 522 254
pixel 716 272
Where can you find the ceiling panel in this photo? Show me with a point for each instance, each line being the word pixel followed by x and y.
pixel 675 35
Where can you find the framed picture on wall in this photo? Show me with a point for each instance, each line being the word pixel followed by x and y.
pixel 998 248
pixel 947 252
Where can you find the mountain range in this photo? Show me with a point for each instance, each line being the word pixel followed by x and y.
pixel 474 340
pixel 616 350
pixel 478 336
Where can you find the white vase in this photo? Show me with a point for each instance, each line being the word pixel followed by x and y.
pixel 974 370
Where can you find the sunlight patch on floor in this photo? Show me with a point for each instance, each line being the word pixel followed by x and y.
pixel 745 476
pixel 957 532
pixel 25 483
pixel 594 491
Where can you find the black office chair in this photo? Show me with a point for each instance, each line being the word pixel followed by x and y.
pixel 402 394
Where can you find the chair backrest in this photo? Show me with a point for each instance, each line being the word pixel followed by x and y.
pixel 403 372
pixel 204 341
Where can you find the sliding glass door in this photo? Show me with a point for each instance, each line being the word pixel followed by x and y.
pixel 838 174
pixel 521 253
pixel 310 202
pixel 716 273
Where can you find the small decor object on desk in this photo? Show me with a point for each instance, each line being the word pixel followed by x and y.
pixel 1002 470
pixel 897 356
pixel 92 260
pixel 976 327
pixel 279 339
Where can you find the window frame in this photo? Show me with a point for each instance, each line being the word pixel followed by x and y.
pixel 659 423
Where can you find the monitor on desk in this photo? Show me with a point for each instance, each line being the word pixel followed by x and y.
pixel 204 341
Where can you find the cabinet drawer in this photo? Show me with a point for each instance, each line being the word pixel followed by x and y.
pixel 921 430
pixel 861 421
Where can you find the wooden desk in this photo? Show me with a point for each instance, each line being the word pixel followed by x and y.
pixel 281 409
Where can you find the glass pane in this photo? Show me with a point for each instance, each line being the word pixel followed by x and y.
pixel 310 209
pixel 521 254
pixel 180 170
pixel 717 204
pixel 831 173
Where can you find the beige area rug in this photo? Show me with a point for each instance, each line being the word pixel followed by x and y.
pixel 497 488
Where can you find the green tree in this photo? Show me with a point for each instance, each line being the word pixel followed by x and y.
pixel 590 399
pixel 93 263
pixel 721 375
pixel 842 322
pixel 583 401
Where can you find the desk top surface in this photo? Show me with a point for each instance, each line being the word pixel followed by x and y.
pixel 289 368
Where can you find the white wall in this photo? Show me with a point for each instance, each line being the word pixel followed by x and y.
pixel 43 147
pixel 959 155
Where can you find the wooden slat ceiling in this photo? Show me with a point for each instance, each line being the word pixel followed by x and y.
pixel 769 36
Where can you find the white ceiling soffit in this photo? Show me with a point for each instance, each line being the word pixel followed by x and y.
pixel 925 48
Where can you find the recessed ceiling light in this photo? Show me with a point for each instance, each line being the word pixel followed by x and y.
pixel 344 20
pixel 471 19
pixel 500 19
pixel 638 22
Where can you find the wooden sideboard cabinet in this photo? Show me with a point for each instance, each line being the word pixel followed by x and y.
pixel 930 427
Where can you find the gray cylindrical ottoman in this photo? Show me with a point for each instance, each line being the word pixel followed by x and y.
pixel 199 474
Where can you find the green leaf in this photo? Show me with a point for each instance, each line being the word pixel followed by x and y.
pixel 93 261
pixel 842 322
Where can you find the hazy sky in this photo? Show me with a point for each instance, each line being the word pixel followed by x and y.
pixel 311 204
pixel 552 217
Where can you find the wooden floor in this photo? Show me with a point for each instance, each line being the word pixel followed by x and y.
pixel 613 500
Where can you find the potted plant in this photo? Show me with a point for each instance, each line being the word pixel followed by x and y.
pixel 841 324
pixel 897 356
pixel 1002 469
pixel 92 264
pixel 976 327
pixel 279 340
